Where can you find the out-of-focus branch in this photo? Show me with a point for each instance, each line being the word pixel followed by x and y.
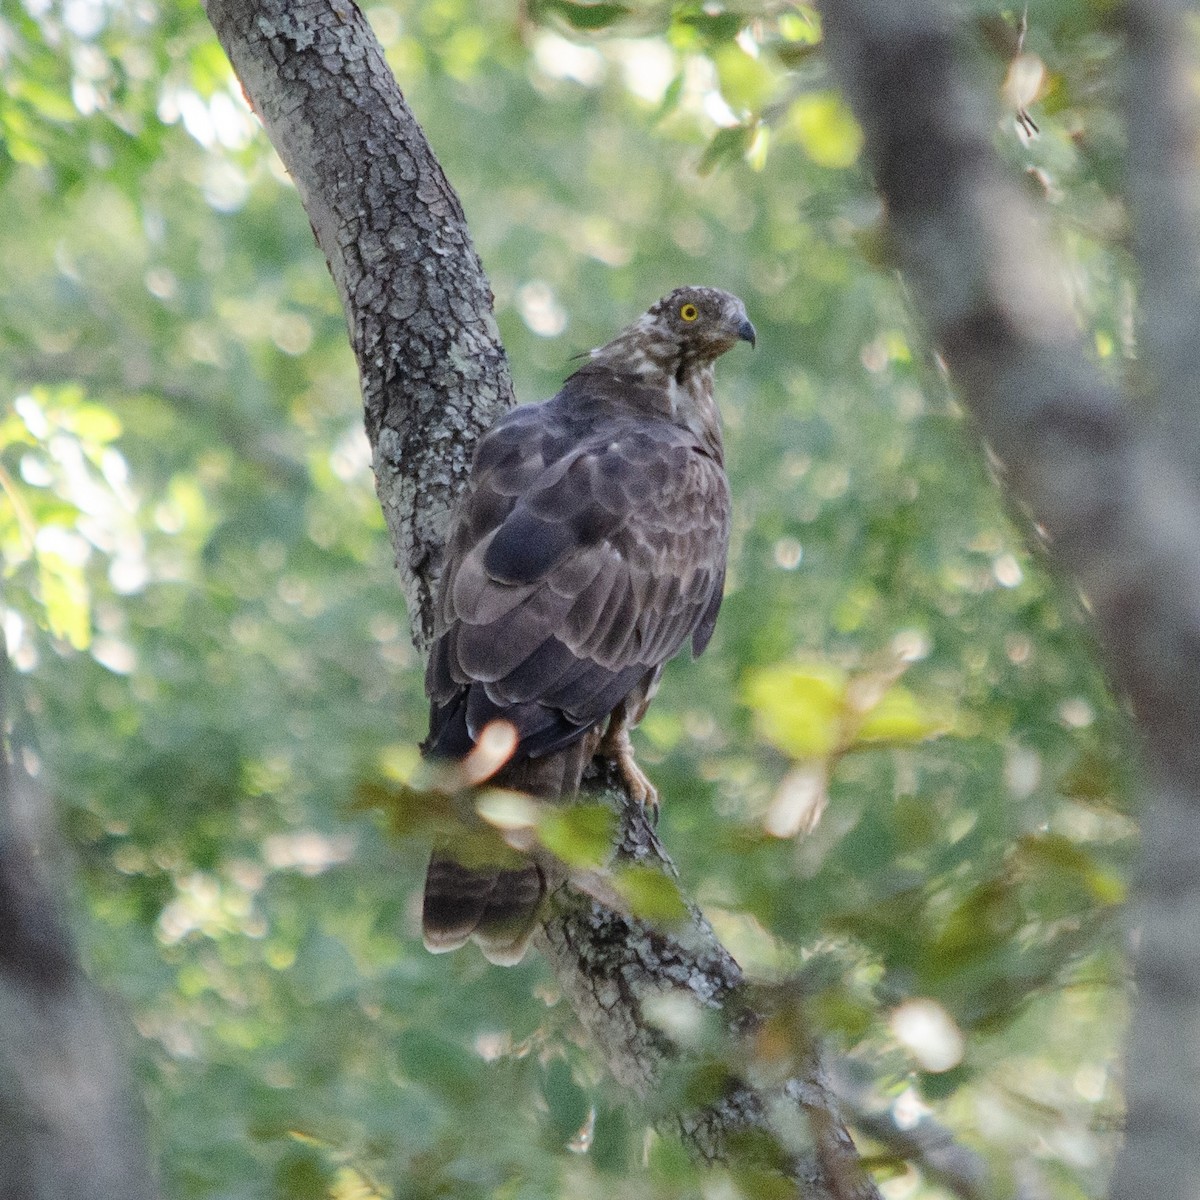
pixel 68 1128
pixel 941 1158
pixel 1116 493
pixel 1161 1154
pixel 1164 199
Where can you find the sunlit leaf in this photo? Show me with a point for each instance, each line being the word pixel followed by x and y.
pixel 825 128
pixel 801 25
pixel 900 717
pixel 95 423
pixel 798 709
pixel 51 103
pixel 349 1183
pixel 65 597
pixel 746 82
pixel 507 810
pixel 756 155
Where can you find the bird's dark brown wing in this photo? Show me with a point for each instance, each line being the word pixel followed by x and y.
pixel 590 545
pixel 587 551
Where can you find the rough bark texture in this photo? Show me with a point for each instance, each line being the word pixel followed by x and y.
pixel 616 972
pixel 433 371
pixel 433 377
pixel 68 1127
pixel 1113 484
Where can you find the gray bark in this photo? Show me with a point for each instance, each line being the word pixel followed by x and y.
pixel 433 372
pixel 68 1126
pixel 433 377
pixel 616 972
pixel 1110 480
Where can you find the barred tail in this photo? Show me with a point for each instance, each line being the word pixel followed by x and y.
pixel 497 906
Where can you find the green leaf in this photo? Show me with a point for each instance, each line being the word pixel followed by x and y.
pixel 66 598
pixel 1061 858
pixel 836 1009
pixel 762 1182
pixel 411 812
pixel 944 1084
pixel 566 1101
pixel 670 100
pixel 50 102
pixel 581 835
pixel 826 129
pixel 706 1082
pixel 728 145
pixel 612 1139
pixel 798 709
pixel 444 1067
pixel 584 16
pixel 795 54
pixel 301 1175
pixel 714 27
pixel 746 82
pixel 95 423
pixel 651 895
pixel 900 718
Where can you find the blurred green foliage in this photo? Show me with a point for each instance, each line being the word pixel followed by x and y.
pixel 200 598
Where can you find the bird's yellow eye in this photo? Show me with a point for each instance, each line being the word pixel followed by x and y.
pixel 689 312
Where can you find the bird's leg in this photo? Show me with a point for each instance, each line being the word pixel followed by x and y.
pixel 617 746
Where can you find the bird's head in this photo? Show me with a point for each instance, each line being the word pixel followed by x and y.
pixel 665 358
pixel 685 332
pixel 704 321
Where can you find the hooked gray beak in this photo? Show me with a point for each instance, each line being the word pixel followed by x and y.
pixel 746 333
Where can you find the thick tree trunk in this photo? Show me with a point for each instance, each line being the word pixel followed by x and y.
pixel 433 372
pixel 433 377
pixel 1110 481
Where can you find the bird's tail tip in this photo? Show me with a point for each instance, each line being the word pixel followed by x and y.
pixel 497 907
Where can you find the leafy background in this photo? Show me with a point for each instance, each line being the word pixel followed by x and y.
pixel 199 598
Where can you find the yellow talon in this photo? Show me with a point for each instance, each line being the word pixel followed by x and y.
pixel 618 746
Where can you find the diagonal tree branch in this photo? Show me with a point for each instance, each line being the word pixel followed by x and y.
pixel 433 377
pixel 616 971
pixel 433 372
pixel 1115 491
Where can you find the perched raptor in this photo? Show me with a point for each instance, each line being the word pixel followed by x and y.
pixel 589 546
